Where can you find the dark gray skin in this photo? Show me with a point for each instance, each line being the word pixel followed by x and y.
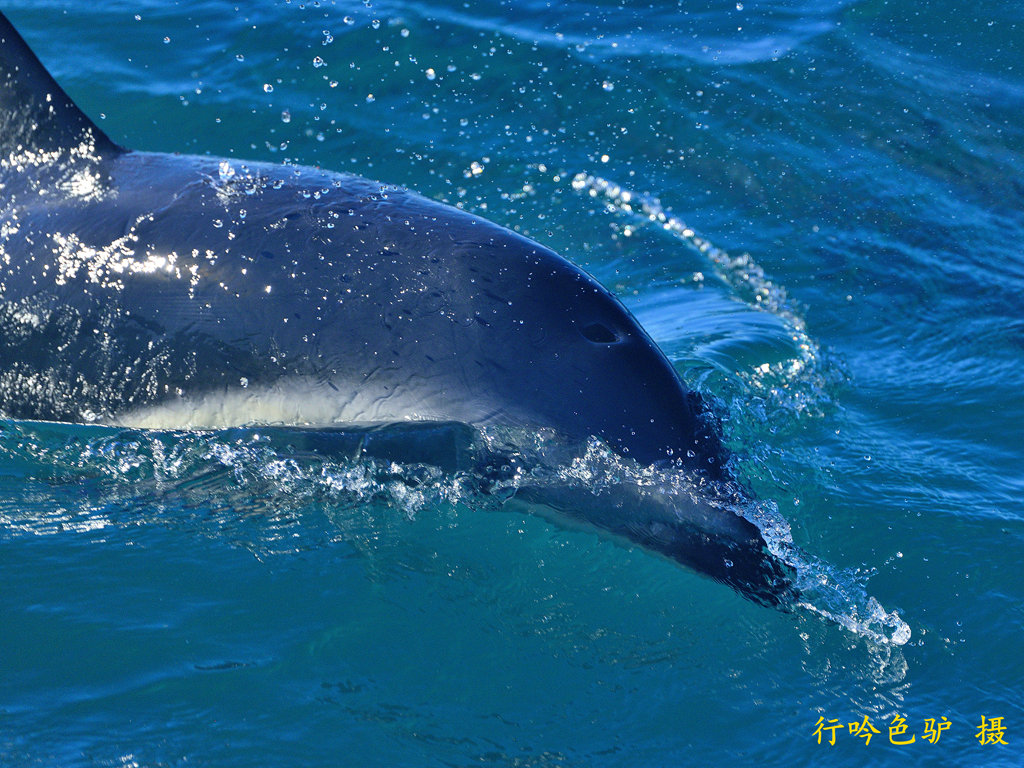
pixel 152 290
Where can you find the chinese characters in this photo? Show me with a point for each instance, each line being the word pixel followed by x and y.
pixel 900 733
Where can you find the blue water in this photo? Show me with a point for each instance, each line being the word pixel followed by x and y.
pixel 849 298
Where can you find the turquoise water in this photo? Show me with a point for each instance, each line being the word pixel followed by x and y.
pixel 849 297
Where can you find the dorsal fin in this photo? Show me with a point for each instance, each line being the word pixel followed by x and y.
pixel 35 113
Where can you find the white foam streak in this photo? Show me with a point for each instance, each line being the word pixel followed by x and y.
pixel 741 273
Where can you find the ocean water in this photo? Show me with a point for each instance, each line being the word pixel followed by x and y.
pixel 815 208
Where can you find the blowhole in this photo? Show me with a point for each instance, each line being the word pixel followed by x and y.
pixel 598 333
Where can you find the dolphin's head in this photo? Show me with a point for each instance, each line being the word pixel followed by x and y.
pixel 581 361
pixel 556 340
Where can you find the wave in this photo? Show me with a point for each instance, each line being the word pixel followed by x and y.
pixel 769 30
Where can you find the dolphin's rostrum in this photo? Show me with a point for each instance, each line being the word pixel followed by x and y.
pixel 176 292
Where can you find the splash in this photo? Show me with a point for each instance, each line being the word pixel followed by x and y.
pixel 267 490
pixel 839 596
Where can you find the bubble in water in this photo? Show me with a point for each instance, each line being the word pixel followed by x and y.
pixel 608 85
pixel 268 88
pixel 286 116
pixel 318 62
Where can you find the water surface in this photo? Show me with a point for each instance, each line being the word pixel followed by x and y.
pixel 814 208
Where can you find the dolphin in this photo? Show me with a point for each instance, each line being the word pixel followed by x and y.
pixel 160 291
